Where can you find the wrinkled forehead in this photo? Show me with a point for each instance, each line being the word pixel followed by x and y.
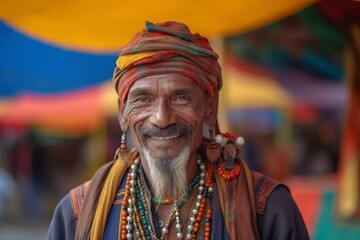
pixel 169 83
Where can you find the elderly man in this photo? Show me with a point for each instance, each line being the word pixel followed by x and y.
pixel 176 183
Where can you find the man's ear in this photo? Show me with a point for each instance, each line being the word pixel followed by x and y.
pixel 211 109
pixel 124 124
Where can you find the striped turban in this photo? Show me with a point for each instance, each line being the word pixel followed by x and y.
pixel 165 48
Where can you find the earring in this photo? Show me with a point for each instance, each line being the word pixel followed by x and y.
pixel 230 169
pixel 123 153
pixel 213 150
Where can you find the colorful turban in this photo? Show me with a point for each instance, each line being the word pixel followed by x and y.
pixel 163 48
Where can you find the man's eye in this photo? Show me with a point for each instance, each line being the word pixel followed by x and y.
pixel 139 99
pixel 142 99
pixel 182 98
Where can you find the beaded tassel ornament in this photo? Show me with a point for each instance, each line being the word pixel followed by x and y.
pixel 231 144
pixel 123 153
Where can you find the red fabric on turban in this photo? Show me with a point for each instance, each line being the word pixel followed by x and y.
pixel 163 48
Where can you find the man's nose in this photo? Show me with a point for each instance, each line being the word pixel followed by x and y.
pixel 162 115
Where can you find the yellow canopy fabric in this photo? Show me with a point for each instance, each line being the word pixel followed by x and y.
pixel 253 91
pixel 107 25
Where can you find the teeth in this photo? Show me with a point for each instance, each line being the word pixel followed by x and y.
pixel 165 138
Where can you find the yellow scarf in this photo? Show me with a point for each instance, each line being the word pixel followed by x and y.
pixel 106 199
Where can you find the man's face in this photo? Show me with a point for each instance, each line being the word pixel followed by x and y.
pixel 166 113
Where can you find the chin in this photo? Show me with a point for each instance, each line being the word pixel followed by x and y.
pixel 164 155
pixel 166 151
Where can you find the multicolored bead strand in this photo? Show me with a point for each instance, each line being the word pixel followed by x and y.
pixel 135 216
pixel 199 198
pixel 124 213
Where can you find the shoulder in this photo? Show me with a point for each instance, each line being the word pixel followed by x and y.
pixel 263 188
pixel 280 202
pixel 64 221
pixel 66 214
pixel 62 225
pixel 77 196
pixel 64 208
pixel 282 218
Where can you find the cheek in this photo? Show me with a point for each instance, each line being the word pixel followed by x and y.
pixel 136 114
pixel 197 117
pixel 194 117
pixel 136 118
pixel 135 126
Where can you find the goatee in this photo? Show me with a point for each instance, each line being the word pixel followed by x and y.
pixel 168 176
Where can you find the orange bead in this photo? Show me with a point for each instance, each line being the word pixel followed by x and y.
pixel 123 147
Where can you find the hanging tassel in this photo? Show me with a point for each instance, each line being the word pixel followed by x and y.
pixel 232 149
pixel 122 153
pixel 213 151
pixel 230 152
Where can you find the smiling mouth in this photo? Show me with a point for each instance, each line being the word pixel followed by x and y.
pixel 165 138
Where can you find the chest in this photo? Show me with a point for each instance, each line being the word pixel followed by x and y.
pixel 199 222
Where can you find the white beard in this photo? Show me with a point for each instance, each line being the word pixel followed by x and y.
pixel 168 177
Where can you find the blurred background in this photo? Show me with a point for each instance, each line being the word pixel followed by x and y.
pixel 291 87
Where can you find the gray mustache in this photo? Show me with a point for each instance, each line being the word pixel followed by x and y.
pixel 173 129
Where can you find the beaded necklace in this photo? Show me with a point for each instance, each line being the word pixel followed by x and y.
pixel 135 213
pixel 183 198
